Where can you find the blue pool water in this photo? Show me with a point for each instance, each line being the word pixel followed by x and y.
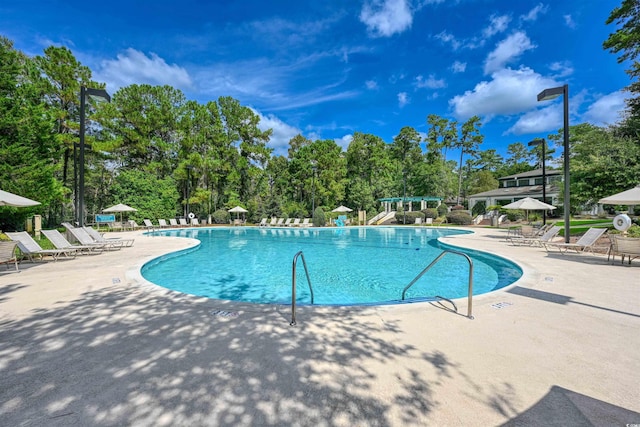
pixel 353 265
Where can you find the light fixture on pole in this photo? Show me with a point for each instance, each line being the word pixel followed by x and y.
pixel 314 168
pixel 84 92
pixel 553 93
pixel 189 168
pixel 542 142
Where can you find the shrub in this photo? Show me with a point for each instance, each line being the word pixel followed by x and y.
pixel 411 217
pixel 220 216
pixel 430 213
pixel 442 210
pixel 459 218
pixel 319 219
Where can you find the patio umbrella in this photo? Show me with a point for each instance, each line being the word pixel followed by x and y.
pixel 629 198
pixel 10 199
pixel 342 209
pixel 529 204
pixel 238 210
pixel 120 207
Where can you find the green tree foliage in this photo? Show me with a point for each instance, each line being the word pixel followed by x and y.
pixel 468 141
pixel 28 147
pixel 626 41
pixel 152 197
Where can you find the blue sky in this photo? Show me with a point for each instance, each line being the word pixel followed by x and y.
pixel 327 69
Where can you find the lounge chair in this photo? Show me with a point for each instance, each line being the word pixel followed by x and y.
pixel 60 242
pixel 296 222
pixel 547 237
pixel 585 243
pixel 148 224
pixel 625 247
pixel 183 222
pixel 8 254
pixel 83 237
pixel 162 223
pixel 263 222
pixel 418 221
pixel 99 238
pixel 173 222
pixel 287 223
pixel 194 222
pixel 306 223
pixel 521 232
pixel 32 249
pixel 273 221
pixel 280 222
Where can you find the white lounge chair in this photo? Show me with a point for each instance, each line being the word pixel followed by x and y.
pixel 585 243
pixel 162 223
pixel 173 222
pixel 306 223
pixel 148 224
pixel 83 237
pixel 296 222
pixel 99 238
pixel 194 222
pixel 273 221
pixel 263 222
pixel 280 222
pixel 547 237
pixel 60 242
pixel 287 223
pixel 32 249
pixel 8 254
pixel 183 222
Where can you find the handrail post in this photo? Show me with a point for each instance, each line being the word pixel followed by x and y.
pixel 427 268
pixel 293 285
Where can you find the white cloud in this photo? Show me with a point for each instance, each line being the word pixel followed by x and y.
pixel 508 92
pixel 543 120
pixel 134 67
pixel 497 24
pixel 569 22
pixel 459 67
pixel 533 14
pixel 282 132
pixel 561 69
pixel 371 84
pixel 429 83
pixel 385 18
pixel 607 110
pixel 403 99
pixel 344 141
pixel 506 51
pixel 449 38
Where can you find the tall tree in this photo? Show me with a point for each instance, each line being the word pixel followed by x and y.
pixel 469 140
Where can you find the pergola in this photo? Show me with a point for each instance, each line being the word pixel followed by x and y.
pixel 388 201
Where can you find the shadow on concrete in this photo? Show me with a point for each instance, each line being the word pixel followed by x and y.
pixel 560 299
pixel 562 407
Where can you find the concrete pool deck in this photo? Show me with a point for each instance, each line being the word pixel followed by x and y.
pixel 84 342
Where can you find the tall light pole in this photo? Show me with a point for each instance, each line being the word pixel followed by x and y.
pixel 553 93
pixel 188 188
pixel 314 168
pixel 542 142
pixel 84 92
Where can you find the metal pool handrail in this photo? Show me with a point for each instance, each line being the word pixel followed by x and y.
pixel 293 285
pixel 470 296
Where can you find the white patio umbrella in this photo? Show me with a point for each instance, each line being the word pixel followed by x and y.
pixel 238 210
pixel 10 199
pixel 342 209
pixel 529 204
pixel 120 207
pixel 629 198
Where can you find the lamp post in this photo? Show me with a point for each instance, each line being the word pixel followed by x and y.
pixel 553 93
pixel 84 92
pixel 314 168
pixel 542 142
pixel 188 188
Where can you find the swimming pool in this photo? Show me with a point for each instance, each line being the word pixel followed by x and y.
pixel 347 266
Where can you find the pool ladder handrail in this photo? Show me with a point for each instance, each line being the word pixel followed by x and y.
pixel 470 296
pixel 293 285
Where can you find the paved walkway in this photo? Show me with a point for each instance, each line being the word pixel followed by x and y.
pixel 85 342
